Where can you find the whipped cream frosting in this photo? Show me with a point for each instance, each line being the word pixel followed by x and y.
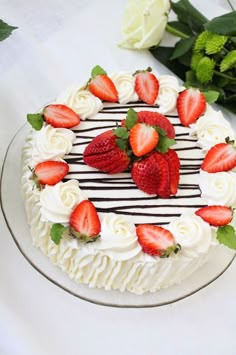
pixel 82 101
pixel 124 83
pixel 169 89
pixel 211 128
pixel 51 143
pixel 58 201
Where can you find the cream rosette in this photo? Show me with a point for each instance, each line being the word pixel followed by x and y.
pixel 211 128
pixel 118 237
pixel 124 83
pixel 169 89
pixel 193 234
pixel 218 188
pixel 144 23
pixel 82 101
pixel 51 143
pixel 58 201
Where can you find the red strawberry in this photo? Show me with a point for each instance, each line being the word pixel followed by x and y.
pixel 104 154
pixel 84 222
pixel 143 139
pixel 174 165
pixel 50 172
pixel 60 116
pixel 216 215
pixel 146 86
pixel 221 157
pixel 152 175
pixel 102 86
pixel 156 241
pixel 191 103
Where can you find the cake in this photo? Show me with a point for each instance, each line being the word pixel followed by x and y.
pixel 116 258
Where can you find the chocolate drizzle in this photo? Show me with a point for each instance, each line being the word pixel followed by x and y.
pixel 118 193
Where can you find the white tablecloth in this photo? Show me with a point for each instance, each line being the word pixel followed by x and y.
pixel 57 44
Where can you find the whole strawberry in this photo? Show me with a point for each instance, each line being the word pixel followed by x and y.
pixel 105 154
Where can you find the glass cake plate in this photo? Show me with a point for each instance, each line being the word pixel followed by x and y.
pixel 14 213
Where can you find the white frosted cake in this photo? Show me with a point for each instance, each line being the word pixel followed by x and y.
pixel 116 258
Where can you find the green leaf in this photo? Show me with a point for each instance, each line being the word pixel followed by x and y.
pixel 36 120
pixel 226 235
pixel 5 30
pixel 164 144
pixel 57 231
pixel 161 131
pixel 97 70
pixel 122 144
pixel 211 96
pixel 179 27
pixel 131 118
pixel 223 25
pixel 182 47
pixel 189 15
pixel 121 132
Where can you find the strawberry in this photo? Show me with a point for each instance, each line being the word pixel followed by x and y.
pixel 156 241
pixel 152 175
pixel 104 154
pixel 216 215
pixel 50 172
pixel 174 165
pixel 84 222
pixel 143 139
pixel 146 86
pixel 221 157
pixel 191 103
pixel 60 116
pixel 102 86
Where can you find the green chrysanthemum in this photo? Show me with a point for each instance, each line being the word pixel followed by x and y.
pixel 196 57
pixel 229 61
pixel 215 43
pixel 205 69
pixel 201 41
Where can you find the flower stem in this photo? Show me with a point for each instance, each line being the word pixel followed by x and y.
pixel 224 75
pixel 175 32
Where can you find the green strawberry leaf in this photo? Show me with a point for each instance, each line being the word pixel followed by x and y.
pixel 5 30
pixel 131 118
pixel 36 120
pixel 97 70
pixel 211 96
pixel 226 235
pixel 57 231
pixel 122 144
pixel 159 130
pixel 121 132
pixel 164 144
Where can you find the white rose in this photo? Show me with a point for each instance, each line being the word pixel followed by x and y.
pixel 58 201
pixel 144 23
pixel 84 103
pixel 52 143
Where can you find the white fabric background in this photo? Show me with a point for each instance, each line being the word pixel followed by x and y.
pixel 57 44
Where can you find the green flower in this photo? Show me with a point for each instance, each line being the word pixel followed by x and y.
pixel 201 41
pixel 215 43
pixel 205 70
pixel 229 61
pixel 196 57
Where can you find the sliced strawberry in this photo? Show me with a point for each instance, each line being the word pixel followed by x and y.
pixel 152 175
pixel 50 172
pixel 216 215
pixel 143 139
pixel 174 165
pixel 156 241
pixel 84 221
pixel 191 103
pixel 104 154
pixel 60 116
pixel 221 157
pixel 146 86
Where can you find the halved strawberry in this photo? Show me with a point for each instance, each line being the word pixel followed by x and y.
pixel 143 139
pixel 104 154
pixel 152 175
pixel 191 103
pixel 174 165
pixel 221 157
pixel 60 116
pixel 216 215
pixel 50 172
pixel 146 86
pixel 102 86
pixel 84 222
pixel 156 241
